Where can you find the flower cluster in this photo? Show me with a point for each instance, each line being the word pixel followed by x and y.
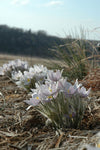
pixel 14 65
pixel 23 75
pixel 60 101
pixel 27 79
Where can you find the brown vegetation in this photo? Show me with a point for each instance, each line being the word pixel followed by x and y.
pixel 24 130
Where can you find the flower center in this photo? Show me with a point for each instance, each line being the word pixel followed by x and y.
pixel 50 97
pixel 68 90
pixel 50 89
pixel 28 80
pixel 70 115
pixel 37 98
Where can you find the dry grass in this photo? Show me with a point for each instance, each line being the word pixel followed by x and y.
pixel 92 80
pixel 24 130
pixel 32 60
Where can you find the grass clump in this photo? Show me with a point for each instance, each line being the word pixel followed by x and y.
pixel 79 55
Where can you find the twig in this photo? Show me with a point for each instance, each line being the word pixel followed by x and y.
pixel 23 143
pixel 79 137
pixel 2 143
pixel 13 146
pixel 59 140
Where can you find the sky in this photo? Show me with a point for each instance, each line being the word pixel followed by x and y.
pixel 56 17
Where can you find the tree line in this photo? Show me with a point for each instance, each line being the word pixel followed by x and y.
pixel 18 41
pixel 25 42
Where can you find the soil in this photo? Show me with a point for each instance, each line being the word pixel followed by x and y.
pixel 26 130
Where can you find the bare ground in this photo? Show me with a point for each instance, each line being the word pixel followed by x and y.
pixel 26 130
pixel 32 60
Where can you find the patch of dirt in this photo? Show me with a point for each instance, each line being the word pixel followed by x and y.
pixel 26 130
pixel 93 80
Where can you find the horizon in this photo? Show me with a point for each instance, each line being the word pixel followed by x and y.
pixel 59 18
pixel 35 32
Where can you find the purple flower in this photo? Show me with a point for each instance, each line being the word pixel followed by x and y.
pixel 83 92
pixel 54 76
pixel 49 89
pixel 34 101
pixel 70 115
pixel 67 87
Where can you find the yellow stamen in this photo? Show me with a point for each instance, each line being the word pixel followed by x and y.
pixel 50 97
pixel 28 80
pixel 50 89
pixel 98 145
pixel 70 115
pixel 68 90
pixel 37 97
pixel 41 79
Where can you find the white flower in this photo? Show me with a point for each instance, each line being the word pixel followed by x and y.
pixel 46 91
pixel 83 92
pixel 28 74
pixel 14 65
pixel 16 75
pixel 54 76
pixel 1 71
pixel 40 77
pixel 39 72
pixel 76 85
pixel 62 84
pixel 49 89
pixel 18 64
pixel 31 70
pixel 37 69
pixel 67 87
pixel 73 88
pixel 6 67
pixel 24 81
pixel 40 68
pixel 34 101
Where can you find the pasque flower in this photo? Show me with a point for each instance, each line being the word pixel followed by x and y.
pixel 34 101
pixel 60 101
pixel 16 75
pixel 49 89
pixel 14 65
pixel 67 87
pixel 83 92
pixel 27 79
pixel 54 75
